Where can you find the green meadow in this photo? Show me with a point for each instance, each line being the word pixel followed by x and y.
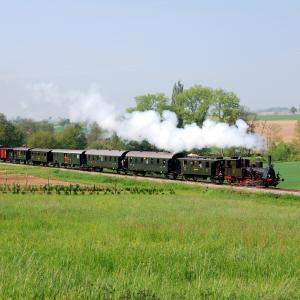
pixel 290 171
pixel 275 117
pixel 199 243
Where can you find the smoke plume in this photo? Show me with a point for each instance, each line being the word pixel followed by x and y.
pixel 158 130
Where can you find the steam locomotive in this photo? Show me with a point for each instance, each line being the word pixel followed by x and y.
pixel 234 170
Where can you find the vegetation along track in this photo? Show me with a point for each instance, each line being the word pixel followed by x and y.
pixel 275 191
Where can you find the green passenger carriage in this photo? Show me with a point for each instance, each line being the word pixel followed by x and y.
pixel 153 162
pixel 202 168
pixel 68 158
pixel 41 156
pixel 22 154
pixel 105 159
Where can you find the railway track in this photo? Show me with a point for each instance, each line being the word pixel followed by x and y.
pixel 275 191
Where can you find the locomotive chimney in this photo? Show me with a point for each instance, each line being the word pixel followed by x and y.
pixel 269 160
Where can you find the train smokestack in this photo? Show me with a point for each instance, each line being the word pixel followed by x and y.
pixel 270 160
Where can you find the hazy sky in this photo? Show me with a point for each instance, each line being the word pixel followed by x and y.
pixel 133 47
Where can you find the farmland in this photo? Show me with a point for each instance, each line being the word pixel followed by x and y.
pixel 290 171
pixel 281 130
pixel 196 243
pixel 276 117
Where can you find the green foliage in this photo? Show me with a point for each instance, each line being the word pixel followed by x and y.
pixel 192 105
pixel 284 152
pixel 72 137
pixel 10 135
pixel 42 139
pixel 158 102
pixel 293 110
pixel 177 89
pixel 225 106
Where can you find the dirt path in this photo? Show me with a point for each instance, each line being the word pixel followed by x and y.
pixel 11 179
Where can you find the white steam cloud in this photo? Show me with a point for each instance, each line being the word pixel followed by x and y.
pixel 160 131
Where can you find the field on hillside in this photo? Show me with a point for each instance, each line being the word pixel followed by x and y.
pixel 284 130
pixel 275 117
pixel 194 244
pixel 290 171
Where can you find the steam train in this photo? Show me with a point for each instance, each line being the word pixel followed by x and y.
pixel 234 170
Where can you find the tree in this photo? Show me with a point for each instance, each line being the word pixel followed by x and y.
pixel 10 135
pixel 42 139
pixel 177 89
pixel 158 102
pixel 94 134
pixel 192 105
pixel 293 110
pixel 225 106
pixel 72 137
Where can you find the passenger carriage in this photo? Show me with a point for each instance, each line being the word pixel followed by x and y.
pixel 68 158
pixel 105 159
pixel 143 162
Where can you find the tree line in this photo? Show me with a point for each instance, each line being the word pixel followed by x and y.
pixel 194 104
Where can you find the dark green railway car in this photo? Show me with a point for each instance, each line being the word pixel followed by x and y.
pixel 235 168
pixel 202 168
pixel 41 156
pixel 68 158
pixel 22 154
pixel 153 162
pixel 105 159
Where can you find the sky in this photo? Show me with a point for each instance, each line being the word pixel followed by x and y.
pixel 133 47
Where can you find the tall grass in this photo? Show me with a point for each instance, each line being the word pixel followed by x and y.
pixel 198 244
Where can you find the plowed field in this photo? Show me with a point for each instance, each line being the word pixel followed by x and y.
pixel 272 130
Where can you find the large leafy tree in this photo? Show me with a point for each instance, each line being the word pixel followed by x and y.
pixel 177 89
pixel 225 106
pixel 10 135
pixel 42 139
pixel 94 134
pixel 72 137
pixel 158 102
pixel 192 105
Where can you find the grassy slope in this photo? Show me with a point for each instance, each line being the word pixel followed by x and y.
pixel 195 244
pixel 276 117
pixel 290 171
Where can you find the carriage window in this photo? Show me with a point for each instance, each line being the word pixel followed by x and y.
pixel 157 161
pixel 151 161
pixel 164 162
pixel 130 159
pixel 191 163
pixel 184 162
pixel 200 164
pixel 136 160
pixel 228 164
pixel 142 160
pixel 238 163
pixel 207 164
pixel 147 161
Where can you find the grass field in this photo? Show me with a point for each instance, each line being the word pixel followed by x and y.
pixel 275 117
pixel 196 244
pixel 290 171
